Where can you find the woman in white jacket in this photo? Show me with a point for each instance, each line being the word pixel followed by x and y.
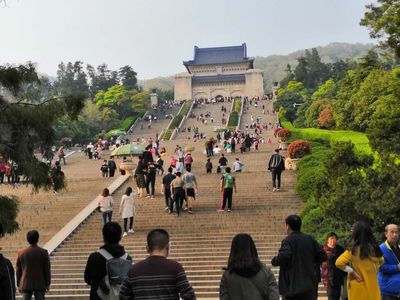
pixel 127 209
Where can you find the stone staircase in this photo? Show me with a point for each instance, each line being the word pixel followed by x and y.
pixel 201 242
pixel 206 129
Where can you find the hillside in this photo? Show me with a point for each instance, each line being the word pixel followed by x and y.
pixel 274 65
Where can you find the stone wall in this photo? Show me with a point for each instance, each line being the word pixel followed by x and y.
pixel 254 83
pixel 183 87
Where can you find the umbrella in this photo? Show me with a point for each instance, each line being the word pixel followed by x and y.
pixel 128 150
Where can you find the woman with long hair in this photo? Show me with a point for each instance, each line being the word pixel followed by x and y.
pixel 105 205
pixel 139 177
pixel 246 277
pixel 127 210
pixel 361 261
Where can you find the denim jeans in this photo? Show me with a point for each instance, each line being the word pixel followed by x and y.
pixel 106 215
pixel 39 295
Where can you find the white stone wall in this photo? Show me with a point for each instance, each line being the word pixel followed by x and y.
pixel 183 87
pixel 254 83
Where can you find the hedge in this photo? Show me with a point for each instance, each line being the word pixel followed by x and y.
pixel 233 119
pixel 237 105
pixel 167 134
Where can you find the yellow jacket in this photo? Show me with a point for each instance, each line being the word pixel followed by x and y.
pixel 368 269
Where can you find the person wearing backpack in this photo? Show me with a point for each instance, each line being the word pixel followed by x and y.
pixel 101 266
pixel 227 186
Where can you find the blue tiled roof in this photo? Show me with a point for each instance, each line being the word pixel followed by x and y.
pixel 219 55
pixel 219 78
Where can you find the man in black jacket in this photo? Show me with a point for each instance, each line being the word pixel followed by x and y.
pixel 297 258
pixel 95 270
pixel 276 165
pixel 7 276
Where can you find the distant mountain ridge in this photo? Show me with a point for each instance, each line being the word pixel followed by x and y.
pixel 274 65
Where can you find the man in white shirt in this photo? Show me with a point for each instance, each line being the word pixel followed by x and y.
pixel 237 165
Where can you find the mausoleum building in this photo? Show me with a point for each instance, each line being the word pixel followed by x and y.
pixel 219 72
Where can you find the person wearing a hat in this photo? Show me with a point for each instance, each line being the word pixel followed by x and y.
pixel 276 165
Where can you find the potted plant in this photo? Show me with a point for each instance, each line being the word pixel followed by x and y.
pixel 284 135
pixel 296 150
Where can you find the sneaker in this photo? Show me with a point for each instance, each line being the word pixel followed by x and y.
pixel 125 234
pixel 148 196
pixel 229 210
pixel 166 208
pixel 152 197
pixel 190 211
pixel 277 190
pixel 131 231
pixel 274 189
pixel 185 208
pixel 220 210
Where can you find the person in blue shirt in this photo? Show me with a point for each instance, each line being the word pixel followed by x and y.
pixel 389 272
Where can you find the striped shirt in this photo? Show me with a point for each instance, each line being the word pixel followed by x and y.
pixel 157 278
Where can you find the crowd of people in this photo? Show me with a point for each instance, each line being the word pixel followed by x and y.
pixel 365 270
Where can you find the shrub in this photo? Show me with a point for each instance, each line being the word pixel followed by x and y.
pixel 298 149
pixel 284 134
pixel 233 119
pixel 237 105
pixel 167 134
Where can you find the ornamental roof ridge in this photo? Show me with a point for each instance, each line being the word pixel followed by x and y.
pixel 219 55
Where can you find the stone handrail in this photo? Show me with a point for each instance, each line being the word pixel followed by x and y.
pixel 72 225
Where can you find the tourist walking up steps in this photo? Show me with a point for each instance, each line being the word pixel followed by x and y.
pixel 178 192
pixel 389 272
pixel 33 269
pixel 127 210
pixel 362 262
pixel 166 188
pixel 96 272
pixel 276 165
pixel 157 277
pixel 191 187
pixel 227 185
pixel 112 166
pixel 245 277
pixel 105 206
pixel 297 258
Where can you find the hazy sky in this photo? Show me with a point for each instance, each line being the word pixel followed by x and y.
pixel 155 36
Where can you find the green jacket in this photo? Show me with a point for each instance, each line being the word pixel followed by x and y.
pixel 261 286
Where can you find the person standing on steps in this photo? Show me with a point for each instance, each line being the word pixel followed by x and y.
pixel 389 272
pixel 276 165
pixel 178 192
pixel 157 277
pixel 151 178
pixel 223 162
pixel 166 187
pixel 112 166
pixel 246 277
pixel 127 210
pixel 191 187
pixel 227 185
pixel 95 270
pixel 105 205
pixel 33 269
pixel 332 277
pixel 297 258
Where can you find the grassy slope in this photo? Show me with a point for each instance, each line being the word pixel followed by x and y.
pixel 359 139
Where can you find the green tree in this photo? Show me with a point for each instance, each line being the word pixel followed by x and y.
pixel 128 78
pixel 383 21
pixel 287 97
pixel 27 125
